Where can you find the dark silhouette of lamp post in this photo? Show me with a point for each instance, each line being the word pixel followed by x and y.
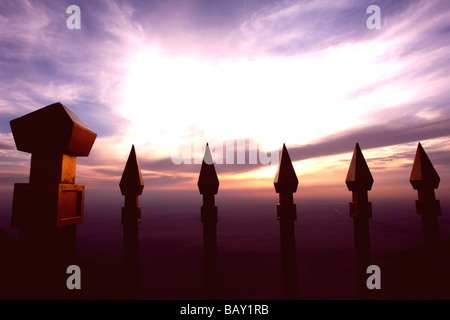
pixel 47 209
pixel 208 185
pixel 359 181
pixel 131 186
pixel 286 183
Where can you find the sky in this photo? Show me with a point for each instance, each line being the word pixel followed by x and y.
pixel 170 76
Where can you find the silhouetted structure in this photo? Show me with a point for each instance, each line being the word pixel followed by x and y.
pixel 286 183
pixel 47 209
pixel 208 184
pixel 359 181
pixel 425 179
pixel 131 185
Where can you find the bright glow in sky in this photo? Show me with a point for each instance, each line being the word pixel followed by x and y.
pixel 290 99
pixel 166 74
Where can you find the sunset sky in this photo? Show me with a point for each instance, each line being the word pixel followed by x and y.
pixel 168 75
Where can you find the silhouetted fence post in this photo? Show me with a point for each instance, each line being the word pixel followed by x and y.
pixel 286 183
pixel 47 209
pixel 131 185
pixel 208 184
pixel 425 179
pixel 359 181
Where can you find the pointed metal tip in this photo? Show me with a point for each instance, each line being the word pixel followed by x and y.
pixel 423 173
pixel 131 182
pixel 358 175
pixel 286 180
pixel 208 182
pixel 207 157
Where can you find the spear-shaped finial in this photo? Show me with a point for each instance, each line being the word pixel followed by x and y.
pixel 358 176
pixel 286 180
pixel 359 181
pixel 208 183
pixel 423 174
pixel 131 182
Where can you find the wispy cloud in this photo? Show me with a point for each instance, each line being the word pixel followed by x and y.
pixel 308 73
pixel 45 62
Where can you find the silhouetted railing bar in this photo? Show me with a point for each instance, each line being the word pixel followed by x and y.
pixel 359 181
pixel 208 185
pixel 131 185
pixel 425 180
pixel 286 183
